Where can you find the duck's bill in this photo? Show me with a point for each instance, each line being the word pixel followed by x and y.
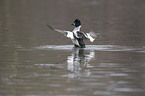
pixel 73 24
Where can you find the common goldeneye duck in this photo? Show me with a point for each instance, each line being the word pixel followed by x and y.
pixel 76 35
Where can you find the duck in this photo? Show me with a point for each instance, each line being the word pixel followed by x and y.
pixel 77 36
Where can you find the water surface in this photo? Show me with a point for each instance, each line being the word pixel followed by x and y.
pixel 36 61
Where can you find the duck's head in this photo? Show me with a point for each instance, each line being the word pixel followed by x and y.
pixel 76 23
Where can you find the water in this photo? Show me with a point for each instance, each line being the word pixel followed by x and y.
pixel 36 61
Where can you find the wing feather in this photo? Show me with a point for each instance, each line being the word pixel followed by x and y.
pixel 61 31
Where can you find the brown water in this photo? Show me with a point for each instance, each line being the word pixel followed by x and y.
pixel 36 61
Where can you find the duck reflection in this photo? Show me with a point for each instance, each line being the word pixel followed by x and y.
pixel 79 61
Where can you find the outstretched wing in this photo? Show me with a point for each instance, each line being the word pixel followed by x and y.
pixel 68 34
pixel 85 36
pixel 61 31
pixel 90 37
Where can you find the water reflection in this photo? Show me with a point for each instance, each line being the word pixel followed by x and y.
pixel 69 71
pixel 78 61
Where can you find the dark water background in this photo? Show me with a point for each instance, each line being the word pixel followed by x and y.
pixel 36 61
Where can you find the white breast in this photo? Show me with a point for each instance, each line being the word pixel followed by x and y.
pixel 70 35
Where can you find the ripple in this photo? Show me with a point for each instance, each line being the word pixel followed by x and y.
pixel 119 74
pixel 127 90
pixel 92 47
pixel 49 65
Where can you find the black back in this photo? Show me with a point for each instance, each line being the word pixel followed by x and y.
pixel 80 37
pixel 81 42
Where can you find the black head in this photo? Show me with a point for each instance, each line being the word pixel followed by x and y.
pixel 77 23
